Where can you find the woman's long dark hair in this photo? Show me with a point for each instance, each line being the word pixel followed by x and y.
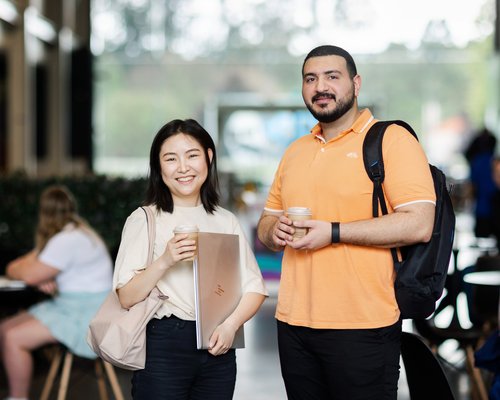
pixel 158 193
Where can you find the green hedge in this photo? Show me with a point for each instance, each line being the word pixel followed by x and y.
pixel 103 201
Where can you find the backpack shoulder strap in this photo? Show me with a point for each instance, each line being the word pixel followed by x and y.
pixel 374 165
pixel 374 162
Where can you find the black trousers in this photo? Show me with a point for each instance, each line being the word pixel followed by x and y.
pixel 176 370
pixel 343 364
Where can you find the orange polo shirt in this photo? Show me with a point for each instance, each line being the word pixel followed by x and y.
pixel 344 286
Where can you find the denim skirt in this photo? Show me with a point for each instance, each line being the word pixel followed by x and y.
pixel 67 316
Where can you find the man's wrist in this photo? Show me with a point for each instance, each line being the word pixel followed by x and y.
pixel 335 232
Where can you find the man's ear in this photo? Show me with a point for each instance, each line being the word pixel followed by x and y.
pixel 357 84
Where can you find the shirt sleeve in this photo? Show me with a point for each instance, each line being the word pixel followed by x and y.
pixel 133 251
pixel 408 178
pixel 273 202
pixel 58 252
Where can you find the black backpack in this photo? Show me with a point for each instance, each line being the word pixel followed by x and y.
pixel 421 276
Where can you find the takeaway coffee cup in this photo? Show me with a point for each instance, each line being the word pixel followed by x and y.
pixel 299 214
pixel 191 231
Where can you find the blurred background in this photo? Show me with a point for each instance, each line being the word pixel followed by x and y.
pixel 86 84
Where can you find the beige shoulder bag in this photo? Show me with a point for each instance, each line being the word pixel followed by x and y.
pixel 118 335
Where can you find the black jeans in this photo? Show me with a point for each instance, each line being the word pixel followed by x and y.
pixel 343 364
pixel 176 370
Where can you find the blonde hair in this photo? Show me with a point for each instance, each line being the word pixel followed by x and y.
pixel 57 209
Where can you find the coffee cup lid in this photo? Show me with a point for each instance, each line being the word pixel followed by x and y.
pixel 186 228
pixel 299 211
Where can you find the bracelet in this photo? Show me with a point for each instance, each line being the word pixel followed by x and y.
pixel 335 232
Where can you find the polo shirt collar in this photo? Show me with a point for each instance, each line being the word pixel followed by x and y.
pixel 359 126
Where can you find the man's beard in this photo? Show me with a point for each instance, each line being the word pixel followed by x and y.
pixel 342 106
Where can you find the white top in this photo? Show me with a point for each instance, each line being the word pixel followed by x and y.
pixel 82 258
pixel 178 281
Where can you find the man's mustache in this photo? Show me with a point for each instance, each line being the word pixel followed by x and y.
pixel 323 96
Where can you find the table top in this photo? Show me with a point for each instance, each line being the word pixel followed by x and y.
pixel 488 278
pixel 7 284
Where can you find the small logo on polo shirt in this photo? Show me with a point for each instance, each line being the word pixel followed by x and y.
pixel 352 154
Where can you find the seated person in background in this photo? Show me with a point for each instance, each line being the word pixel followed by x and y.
pixel 496 202
pixel 479 155
pixel 70 262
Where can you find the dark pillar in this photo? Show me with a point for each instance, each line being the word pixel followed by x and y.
pixel 81 105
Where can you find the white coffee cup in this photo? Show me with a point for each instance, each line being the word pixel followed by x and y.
pixel 191 231
pixel 299 214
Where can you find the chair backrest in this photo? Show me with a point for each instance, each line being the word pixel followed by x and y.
pixel 425 375
pixel 484 299
pixel 455 328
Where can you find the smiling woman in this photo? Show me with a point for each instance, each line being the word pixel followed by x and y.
pixel 183 190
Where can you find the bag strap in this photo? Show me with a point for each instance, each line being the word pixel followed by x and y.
pixel 150 218
pixel 374 166
pixel 374 161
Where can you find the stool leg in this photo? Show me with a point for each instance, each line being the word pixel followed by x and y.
pixel 113 380
pixel 63 386
pixel 54 366
pixel 475 374
pixel 101 383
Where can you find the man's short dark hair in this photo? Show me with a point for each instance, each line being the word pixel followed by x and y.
pixel 328 50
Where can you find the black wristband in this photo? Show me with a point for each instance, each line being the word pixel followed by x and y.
pixel 335 232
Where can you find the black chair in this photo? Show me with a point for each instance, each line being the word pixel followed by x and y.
pixel 424 373
pixel 483 300
pixel 467 338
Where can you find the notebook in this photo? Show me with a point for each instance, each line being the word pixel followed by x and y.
pixel 217 284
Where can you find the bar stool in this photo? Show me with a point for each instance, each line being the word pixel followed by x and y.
pixel 60 352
